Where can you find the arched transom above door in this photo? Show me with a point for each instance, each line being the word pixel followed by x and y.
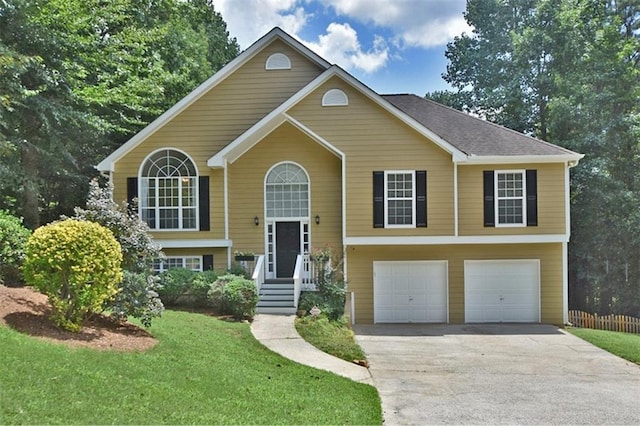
pixel 287 192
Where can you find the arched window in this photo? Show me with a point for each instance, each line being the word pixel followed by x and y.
pixel 169 191
pixel 287 192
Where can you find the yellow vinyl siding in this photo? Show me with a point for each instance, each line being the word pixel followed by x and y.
pixel 373 140
pixel 246 183
pixel 360 273
pixel 219 255
pixel 216 119
pixel 551 200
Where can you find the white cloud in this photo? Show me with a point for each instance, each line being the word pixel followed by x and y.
pixel 341 46
pixel 421 23
pixel 412 23
pixel 248 20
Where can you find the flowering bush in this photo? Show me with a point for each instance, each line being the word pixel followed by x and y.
pixel 137 298
pixel 75 263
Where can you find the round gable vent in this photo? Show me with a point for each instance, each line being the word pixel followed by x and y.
pixel 335 97
pixel 278 61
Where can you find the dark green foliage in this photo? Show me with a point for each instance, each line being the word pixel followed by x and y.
pixel 238 269
pixel 137 298
pixel 13 238
pixel 241 296
pixel 80 77
pixel 200 287
pixel 333 337
pixel 174 284
pixel 235 295
pixel 568 72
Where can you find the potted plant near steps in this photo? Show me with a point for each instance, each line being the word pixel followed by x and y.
pixel 244 255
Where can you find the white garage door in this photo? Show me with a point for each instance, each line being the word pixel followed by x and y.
pixel 502 290
pixel 410 291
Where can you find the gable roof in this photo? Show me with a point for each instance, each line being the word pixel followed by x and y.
pixel 254 134
pixel 474 136
pixel 107 164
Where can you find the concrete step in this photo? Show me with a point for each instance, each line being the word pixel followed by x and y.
pixel 276 310
pixel 276 303
pixel 287 291
pixel 276 297
pixel 279 281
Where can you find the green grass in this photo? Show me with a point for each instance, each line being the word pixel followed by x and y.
pixel 624 345
pixel 333 337
pixel 203 371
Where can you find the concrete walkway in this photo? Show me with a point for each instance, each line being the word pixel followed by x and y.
pixel 278 333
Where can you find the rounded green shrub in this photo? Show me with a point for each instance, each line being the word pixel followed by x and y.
pixel 241 296
pixel 174 284
pixel 13 238
pixel 75 263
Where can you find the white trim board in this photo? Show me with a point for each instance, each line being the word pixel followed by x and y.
pixel 444 240
pixel 194 243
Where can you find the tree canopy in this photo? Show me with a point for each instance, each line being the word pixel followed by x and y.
pixel 568 71
pixel 80 77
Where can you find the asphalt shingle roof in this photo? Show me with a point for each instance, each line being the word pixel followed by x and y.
pixel 469 134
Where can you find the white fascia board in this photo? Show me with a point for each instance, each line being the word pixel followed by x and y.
pixel 446 240
pixel 194 243
pixel 313 135
pixel 520 159
pixel 107 165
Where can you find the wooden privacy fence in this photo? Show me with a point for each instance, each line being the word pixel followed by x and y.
pixel 622 323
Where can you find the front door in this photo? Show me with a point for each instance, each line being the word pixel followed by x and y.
pixel 287 248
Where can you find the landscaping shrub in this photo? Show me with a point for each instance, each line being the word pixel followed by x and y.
pixel 174 284
pixel 137 298
pixel 235 295
pixel 13 238
pixel 330 284
pixel 200 287
pixel 75 263
pixel 239 270
pixel 242 297
pixel 138 249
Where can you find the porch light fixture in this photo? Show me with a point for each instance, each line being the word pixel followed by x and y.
pixel 256 220
pixel 317 219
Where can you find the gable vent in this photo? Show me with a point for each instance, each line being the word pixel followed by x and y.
pixel 335 97
pixel 278 61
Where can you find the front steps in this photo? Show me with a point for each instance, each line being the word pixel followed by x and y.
pixel 276 297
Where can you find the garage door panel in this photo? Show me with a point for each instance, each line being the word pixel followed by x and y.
pixel 502 291
pixel 410 291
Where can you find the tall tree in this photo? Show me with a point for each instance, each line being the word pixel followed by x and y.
pixel 567 71
pixel 85 75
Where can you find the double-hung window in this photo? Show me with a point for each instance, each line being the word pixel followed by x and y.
pixel 400 199
pixel 510 198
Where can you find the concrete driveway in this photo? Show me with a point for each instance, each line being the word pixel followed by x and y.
pixel 497 374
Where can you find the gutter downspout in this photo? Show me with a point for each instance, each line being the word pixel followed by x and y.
pixel 226 210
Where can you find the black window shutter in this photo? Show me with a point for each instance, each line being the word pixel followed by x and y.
pixel 207 262
pixel 421 198
pixel 132 190
pixel 378 199
pixel 489 211
pixel 203 203
pixel 532 198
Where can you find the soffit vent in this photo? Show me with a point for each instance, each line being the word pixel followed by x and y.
pixel 335 97
pixel 278 61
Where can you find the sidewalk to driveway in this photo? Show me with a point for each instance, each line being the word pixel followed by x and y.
pixel 278 333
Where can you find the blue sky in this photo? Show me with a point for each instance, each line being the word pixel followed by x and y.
pixel 393 46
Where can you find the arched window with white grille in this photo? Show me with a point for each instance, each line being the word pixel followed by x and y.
pixel 169 191
pixel 287 192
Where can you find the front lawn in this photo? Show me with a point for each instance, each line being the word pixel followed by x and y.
pixel 333 337
pixel 624 345
pixel 203 371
